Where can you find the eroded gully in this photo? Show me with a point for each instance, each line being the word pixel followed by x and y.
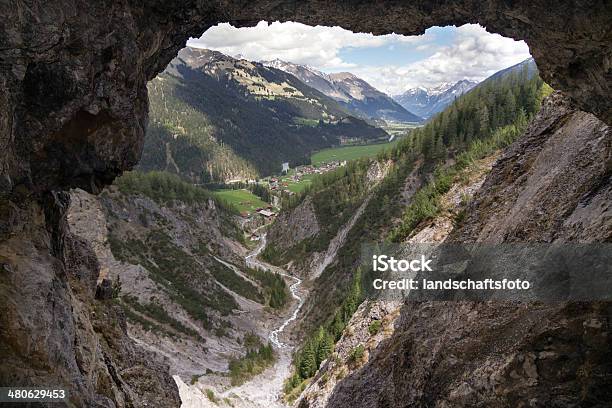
pixel 264 390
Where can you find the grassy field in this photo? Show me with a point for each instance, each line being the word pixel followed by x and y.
pixel 349 152
pixel 333 154
pixel 299 186
pixel 242 200
pixel 305 122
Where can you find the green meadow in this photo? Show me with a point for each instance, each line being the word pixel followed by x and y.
pixel 349 152
pixel 242 200
pixel 298 187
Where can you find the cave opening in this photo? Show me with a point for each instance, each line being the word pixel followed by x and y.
pixel 83 71
pixel 271 116
pixel 310 77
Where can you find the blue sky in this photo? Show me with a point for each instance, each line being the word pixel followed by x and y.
pixel 397 52
pixel 392 63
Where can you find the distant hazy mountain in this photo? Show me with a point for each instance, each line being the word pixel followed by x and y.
pixel 215 118
pixel 350 91
pixel 426 102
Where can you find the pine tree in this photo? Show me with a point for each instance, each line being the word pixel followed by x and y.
pixel 510 107
pixel 484 120
pixel 308 363
pixel 439 151
pixel 325 345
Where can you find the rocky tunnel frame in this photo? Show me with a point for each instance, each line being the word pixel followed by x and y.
pixel 97 58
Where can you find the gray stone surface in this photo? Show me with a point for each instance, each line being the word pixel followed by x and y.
pixel 552 185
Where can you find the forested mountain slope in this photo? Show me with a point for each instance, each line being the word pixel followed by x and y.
pixel 417 173
pixel 551 186
pixel 215 118
pixel 176 257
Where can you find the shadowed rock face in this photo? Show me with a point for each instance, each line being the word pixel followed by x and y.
pixel 552 185
pixel 53 332
pixel 73 82
pixel 73 109
pixel 74 79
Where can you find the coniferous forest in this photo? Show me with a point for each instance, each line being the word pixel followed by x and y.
pixel 488 118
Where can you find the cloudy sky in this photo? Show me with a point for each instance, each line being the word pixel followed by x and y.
pixel 391 63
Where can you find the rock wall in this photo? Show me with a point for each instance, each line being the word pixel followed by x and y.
pixel 198 234
pixel 363 328
pixel 292 227
pixel 553 185
pixel 52 331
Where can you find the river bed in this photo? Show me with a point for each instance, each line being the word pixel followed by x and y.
pixel 264 390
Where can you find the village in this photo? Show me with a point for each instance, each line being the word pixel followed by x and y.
pixel 299 175
pixel 260 200
pixel 293 181
pixel 290 182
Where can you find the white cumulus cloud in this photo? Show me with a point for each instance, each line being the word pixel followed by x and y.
pixel 295 42
pixel 472 53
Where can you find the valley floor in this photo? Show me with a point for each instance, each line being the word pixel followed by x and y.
pixel 263 390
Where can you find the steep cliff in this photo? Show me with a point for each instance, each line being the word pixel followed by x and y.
pixel 185 288
pixel 552 185
pixel 54 332
pixel 375 320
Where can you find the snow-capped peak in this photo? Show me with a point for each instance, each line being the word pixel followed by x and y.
pixel 294 69
pixel 426 102
pixel 455 87
pixel 276 63
pixel 415 91
pixel 440 89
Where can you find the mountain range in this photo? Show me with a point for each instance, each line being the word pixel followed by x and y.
pixel 352 92
pixel 528 65
pixel 216 118
pixel 426 102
